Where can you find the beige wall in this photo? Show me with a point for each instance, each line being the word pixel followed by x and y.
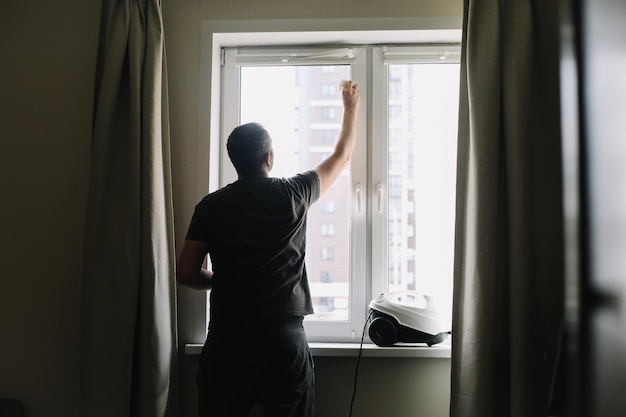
pixel 47 64
pixel 48 52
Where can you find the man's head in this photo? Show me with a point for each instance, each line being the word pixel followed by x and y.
pixel 250 149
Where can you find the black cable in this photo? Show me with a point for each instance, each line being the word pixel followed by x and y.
pixel 358 361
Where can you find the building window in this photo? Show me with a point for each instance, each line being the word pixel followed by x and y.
pixel 328 229
pixel 395 111
pixel 328 206
pixel 328 254
pixel 328 137
pixel 326 276
pixel 328 113
pixel 328 90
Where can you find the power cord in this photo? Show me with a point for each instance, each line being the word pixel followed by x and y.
pixel 358 361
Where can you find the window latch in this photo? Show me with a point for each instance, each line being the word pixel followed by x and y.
pixel 379 196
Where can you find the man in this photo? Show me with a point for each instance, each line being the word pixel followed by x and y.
pixel 254 232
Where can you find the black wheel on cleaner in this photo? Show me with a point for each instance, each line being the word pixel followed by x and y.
pixel 383 331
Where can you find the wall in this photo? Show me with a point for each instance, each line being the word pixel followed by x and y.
pixel 387 386
pixel 47 65
pixel 47 69
pixel 398 387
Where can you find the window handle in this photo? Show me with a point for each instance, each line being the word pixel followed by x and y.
pixel 358 197
pixel 379 196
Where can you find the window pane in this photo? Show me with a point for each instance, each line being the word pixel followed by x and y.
pixel 423 113
pixel 301 108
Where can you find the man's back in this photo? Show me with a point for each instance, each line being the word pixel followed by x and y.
pixel 255 234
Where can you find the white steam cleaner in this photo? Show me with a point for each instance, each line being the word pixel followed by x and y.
pixel 406 317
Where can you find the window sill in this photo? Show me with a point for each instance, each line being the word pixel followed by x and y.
pixel 441 351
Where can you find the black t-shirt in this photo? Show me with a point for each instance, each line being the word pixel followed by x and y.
pixel 255 231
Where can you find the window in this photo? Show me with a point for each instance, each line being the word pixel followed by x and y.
pixel 387 223
pixel 328 206
pixel 328 90
pixel 328 137
pixel 328 229
pixel 328 113
pixel 328 254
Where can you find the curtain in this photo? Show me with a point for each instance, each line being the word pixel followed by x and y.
pixel 508 283
pixel 128 333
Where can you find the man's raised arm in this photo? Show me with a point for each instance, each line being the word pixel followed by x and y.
pixel 330 168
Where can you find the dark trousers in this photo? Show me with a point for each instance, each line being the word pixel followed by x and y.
pixel 269 363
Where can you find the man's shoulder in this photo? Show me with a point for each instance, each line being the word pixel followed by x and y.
pixel 308 177
pixel 306 185
pixel 217 195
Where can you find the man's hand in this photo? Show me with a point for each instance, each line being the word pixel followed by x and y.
pixel 350 94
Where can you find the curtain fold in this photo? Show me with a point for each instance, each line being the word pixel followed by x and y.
pixel 508 284
pixel 128 326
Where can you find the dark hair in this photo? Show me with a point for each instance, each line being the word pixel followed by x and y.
pixel 247 146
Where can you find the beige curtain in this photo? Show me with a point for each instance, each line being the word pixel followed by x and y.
pixel 128 334
pixel 508 288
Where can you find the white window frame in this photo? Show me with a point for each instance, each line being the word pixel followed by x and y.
pixel 219 34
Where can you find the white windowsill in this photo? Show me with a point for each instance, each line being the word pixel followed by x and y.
pixel 441 351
